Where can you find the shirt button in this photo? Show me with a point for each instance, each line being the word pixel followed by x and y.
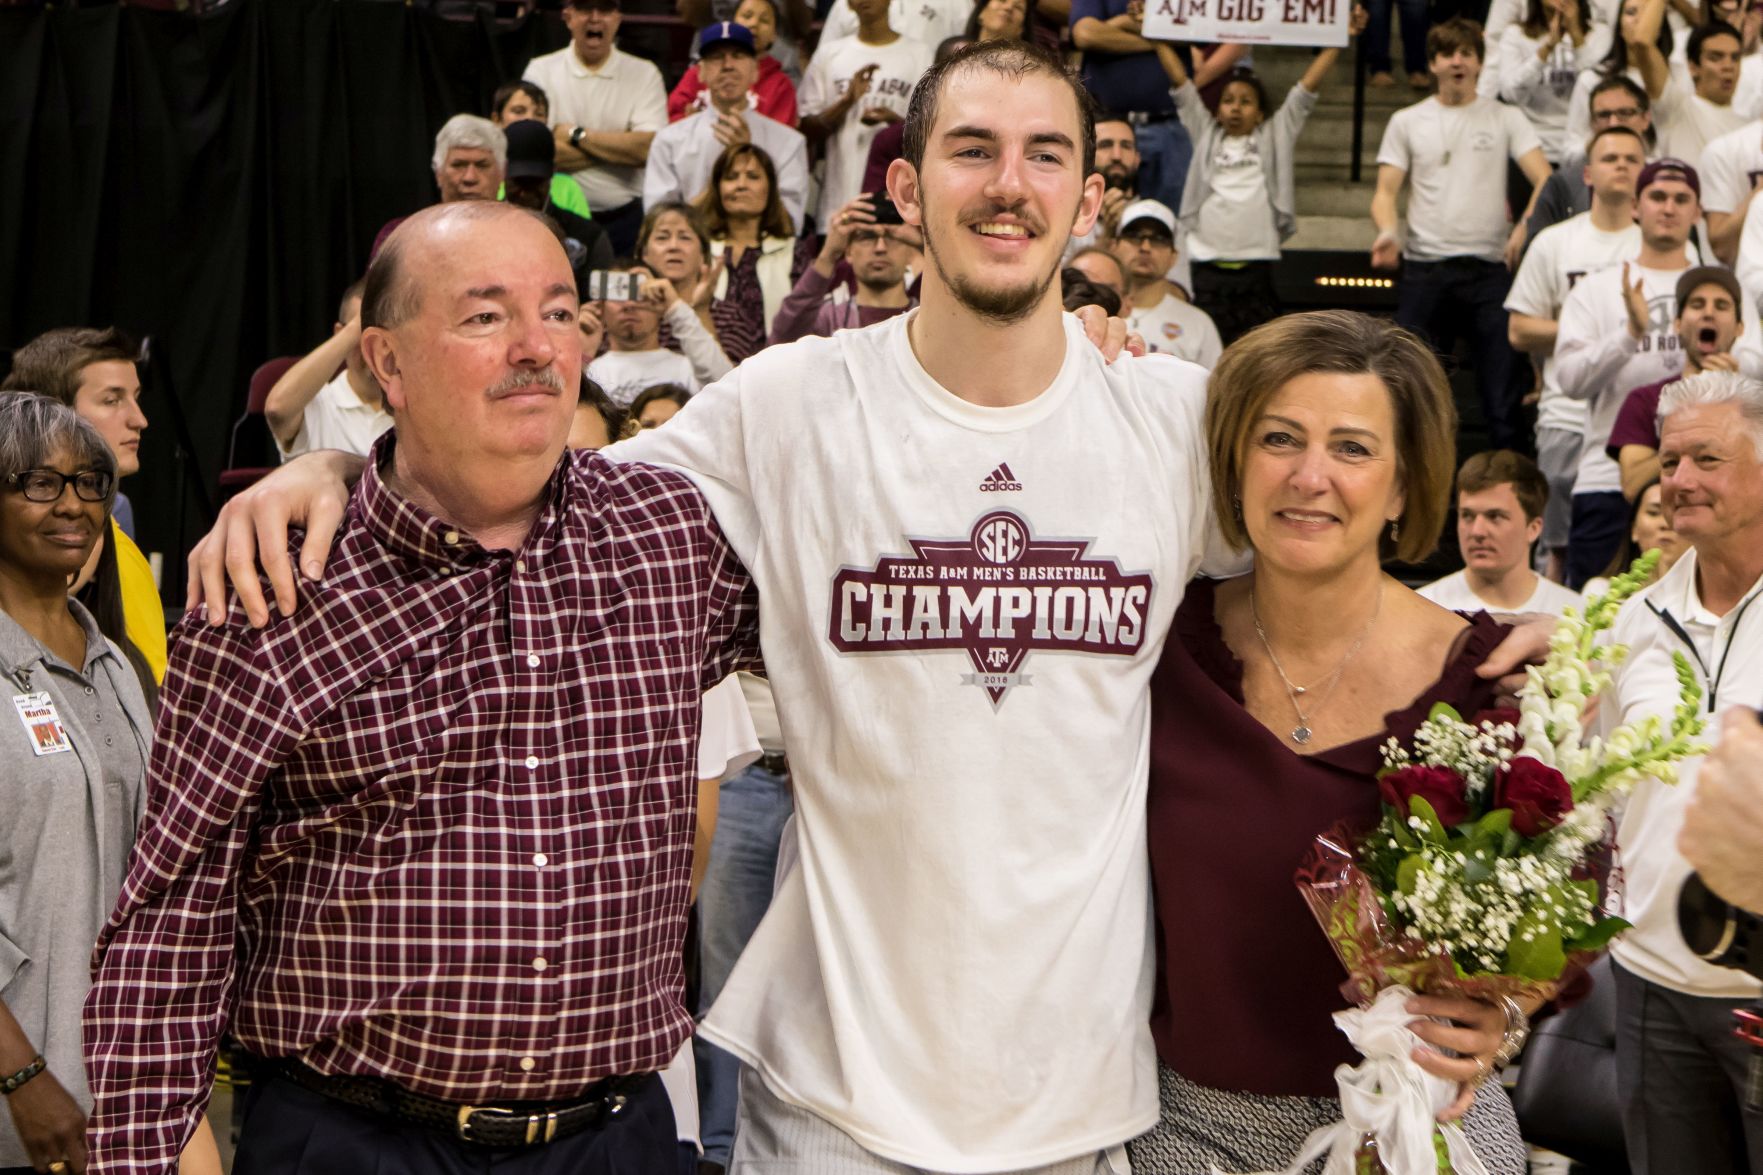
pixel 539 964
pixel 451 538
pixel 541 860
pixel 520 564
pixel 532 762
pixel 527 1064
pixel 532 659
pixel 90 691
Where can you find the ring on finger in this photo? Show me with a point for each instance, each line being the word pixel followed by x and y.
pixel 1482 1072
pixel 57 1166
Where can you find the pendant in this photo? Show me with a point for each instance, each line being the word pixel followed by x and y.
pixel 1301 735
pixel 1299 690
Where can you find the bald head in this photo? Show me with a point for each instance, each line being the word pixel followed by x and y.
pixel 392 292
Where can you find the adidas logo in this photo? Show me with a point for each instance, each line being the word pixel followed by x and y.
pixel 1000 481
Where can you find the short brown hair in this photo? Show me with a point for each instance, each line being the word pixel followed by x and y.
pixel 773 222
pixel 1015 59
pixel 1258 365
pixel 1498 467
pixel 694 221
pixel 1457 33
pixel 51 363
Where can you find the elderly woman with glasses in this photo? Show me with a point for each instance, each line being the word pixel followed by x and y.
pixel 74 747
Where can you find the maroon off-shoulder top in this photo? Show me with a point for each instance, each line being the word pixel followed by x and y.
pixel 1246 983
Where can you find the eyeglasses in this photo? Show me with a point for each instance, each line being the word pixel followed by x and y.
pixel 46 485
pixel 1618 114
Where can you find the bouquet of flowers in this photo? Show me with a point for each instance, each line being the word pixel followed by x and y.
pixel 1475 881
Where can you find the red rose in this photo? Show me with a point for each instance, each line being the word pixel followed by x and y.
pixel 1439 786
pixel 1539 796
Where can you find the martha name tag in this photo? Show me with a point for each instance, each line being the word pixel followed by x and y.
pixel 42 723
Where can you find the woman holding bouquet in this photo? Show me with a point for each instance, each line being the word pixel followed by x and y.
pixel 1331 443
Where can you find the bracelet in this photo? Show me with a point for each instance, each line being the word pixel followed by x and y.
pixel 18 1080
pixel 1516 1032
pixel 575 137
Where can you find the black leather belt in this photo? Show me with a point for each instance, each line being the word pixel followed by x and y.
pixel 775 762
pixel 514 1124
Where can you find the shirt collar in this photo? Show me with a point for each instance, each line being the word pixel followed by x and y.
pixel 581 69
pixel 1677 594
pixel 20 650
pixel 407 530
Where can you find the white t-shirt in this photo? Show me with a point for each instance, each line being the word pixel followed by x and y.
pixel 1542 89
pixel 1748 268
pixel 963 607
pixel 1598 361
pixel 1236 217
pixel 899 65
pixel 1688 122
pixel 1179 328
pixel 1454 592
pixel 929 21
pixel 624 374
pixel 1730 167
pixel 1653 869
pixel 337 419
pixel 1559 256
pixel 624 94
pixel 1455 157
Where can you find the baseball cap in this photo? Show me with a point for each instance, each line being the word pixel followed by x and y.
pixel 726 32
pixel 1710 275
pixel 531 151
pixel 1668 169
pixel 1148 210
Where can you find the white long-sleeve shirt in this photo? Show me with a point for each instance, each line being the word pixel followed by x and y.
pixel 1598 361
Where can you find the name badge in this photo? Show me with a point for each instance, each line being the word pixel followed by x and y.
pixel 42 723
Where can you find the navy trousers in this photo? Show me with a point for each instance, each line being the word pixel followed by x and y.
pixel 290 1130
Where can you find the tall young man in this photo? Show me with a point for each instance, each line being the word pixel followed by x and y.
pixel 1615 335
pixel 1559 256
pixel 1451 152
pixel 1500 502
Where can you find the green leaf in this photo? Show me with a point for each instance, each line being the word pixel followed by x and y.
pixel 1600 934
pixel 1495 823
pixel 1434 832
pixel 1409 872
pixel 1541 957
pixel 1443 710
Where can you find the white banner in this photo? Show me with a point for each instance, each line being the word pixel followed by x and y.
pixel 1253 22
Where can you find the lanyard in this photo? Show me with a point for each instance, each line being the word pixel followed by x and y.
pixel 1713 681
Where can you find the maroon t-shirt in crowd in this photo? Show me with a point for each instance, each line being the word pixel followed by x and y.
pixel 1247 984
pixel 1637 421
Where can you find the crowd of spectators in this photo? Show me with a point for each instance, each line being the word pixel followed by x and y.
pixel 1577 186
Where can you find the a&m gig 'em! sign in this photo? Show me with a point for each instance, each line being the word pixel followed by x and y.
pixel 1254 22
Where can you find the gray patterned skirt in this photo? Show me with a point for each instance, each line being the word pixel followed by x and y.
pixel 1200 1127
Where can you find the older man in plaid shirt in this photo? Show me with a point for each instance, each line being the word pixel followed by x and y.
pixel 445 812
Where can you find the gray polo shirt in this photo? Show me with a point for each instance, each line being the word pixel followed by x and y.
pixel 68 825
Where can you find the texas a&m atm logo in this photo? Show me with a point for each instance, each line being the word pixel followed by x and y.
pixel 999 593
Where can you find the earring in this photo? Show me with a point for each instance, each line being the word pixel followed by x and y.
pixel 1395 531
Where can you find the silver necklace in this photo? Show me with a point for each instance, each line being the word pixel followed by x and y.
pixel 1301 732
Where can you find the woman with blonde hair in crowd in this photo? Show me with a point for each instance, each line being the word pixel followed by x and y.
pixel 74 786
pixel 1331 438
pixel 751 233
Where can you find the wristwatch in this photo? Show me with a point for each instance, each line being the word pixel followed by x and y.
pixel 575 137
pixel 1517 1031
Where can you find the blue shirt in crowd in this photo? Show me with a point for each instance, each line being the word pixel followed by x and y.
pixel 1122 82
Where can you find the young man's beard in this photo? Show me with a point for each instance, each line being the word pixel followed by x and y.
pixel 1119 182
pixel 1002 306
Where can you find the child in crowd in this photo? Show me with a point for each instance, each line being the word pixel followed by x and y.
pixel 1238 206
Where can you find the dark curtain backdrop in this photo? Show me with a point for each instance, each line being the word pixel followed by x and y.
pixel 215 182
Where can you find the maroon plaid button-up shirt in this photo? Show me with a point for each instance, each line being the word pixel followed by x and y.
pixel 436 827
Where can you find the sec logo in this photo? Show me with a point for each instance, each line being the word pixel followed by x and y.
pixel 999 539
